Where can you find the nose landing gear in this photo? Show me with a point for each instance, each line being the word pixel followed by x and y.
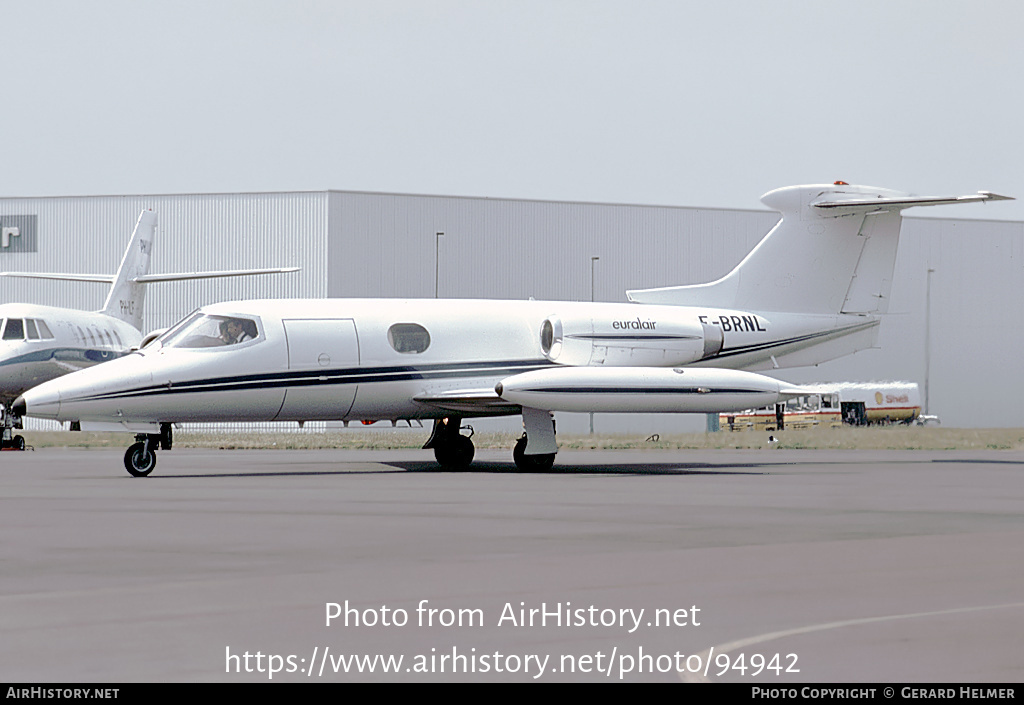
pixel 140 458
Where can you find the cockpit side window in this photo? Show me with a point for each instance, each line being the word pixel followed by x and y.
pixel 44 330
pixel 31 330
pixel 207 331
pixel 408 337
pixel 14 330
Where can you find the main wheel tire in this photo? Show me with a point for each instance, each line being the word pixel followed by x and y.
pixel 456 454
pixel 138 461
pixel 19 443
pixel 531 463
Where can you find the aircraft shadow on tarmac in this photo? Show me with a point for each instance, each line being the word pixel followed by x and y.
pixel 618 469
pixel 428 467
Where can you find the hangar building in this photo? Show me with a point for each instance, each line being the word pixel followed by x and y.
pixel 957 281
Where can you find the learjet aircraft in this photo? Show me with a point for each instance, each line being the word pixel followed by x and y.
pixel 815 288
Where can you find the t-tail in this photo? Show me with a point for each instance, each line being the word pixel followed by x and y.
pixel 832 252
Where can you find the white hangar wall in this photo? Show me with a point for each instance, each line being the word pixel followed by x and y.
pixel 373 244
pixel 194 233
pixel 385 245
pixel 977 322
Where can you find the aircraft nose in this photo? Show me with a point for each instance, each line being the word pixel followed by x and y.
pixel 41 402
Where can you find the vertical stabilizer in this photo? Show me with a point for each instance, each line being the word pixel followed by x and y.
pixel 127 295
pixel 832 252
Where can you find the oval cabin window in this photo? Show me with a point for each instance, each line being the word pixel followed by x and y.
pixel 408 337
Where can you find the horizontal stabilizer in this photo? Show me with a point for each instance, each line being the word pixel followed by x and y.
pixel 151 278
pixel 99 278
pixel 910 201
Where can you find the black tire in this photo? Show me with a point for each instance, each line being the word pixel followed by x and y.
pixel 166 436
pixel 455 455
pixel 137 461
pixel 531 463
pixel 18 443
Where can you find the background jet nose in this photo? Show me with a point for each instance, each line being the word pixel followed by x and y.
pixel 18 408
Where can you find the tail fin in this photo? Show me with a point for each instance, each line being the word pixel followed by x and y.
pixel 127 294
pixel 128 286
pixel 832 252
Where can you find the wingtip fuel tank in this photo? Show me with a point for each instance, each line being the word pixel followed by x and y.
pixel 642 389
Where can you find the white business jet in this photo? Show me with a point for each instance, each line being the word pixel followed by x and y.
pixel 40 343
pixel 813 289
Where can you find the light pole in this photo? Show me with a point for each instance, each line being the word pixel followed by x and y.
pixel 592 260
pixel 437 259
pixel 927 336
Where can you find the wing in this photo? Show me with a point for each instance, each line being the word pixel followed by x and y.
pixel 470 402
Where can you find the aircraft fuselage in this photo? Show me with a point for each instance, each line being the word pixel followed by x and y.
pixel 370 359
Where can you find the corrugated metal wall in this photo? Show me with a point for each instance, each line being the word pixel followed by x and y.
pixel 194 233
pixel 386 245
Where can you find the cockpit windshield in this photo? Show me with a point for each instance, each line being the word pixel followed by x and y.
pixel 205 331
pixel 27 328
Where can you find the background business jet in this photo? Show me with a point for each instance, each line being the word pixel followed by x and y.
pixel 40 343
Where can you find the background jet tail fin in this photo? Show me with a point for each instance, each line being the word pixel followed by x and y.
pixel 127 291
pixel 832 252
pixel 127 295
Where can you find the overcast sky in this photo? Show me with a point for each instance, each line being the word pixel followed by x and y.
pixel 640 101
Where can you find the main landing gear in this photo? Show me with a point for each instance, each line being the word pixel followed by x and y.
pixel 531 463
pixel 534 451
pixel 8 439
pixel 451 449
pixel 140 458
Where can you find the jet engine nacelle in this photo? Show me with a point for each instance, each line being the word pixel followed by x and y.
pixel 643 389
pixel 634 341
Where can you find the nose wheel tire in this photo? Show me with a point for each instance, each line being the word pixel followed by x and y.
pixel 139 460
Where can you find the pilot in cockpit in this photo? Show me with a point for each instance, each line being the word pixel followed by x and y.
pixel 234 331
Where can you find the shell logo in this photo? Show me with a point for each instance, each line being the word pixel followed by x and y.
pixel 878 397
